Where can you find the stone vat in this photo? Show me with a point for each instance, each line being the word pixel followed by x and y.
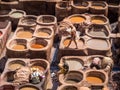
pixel 80 7
pixel 99 7
pixel 17 48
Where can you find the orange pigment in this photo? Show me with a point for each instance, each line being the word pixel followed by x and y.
pixel 94 80
pixel 37 46
pixel 77 19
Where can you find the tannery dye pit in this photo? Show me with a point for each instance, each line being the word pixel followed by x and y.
pixel 94 80
pixel 98 44
pixel 59 45
pixel 18 47
pixel 98 21
pixel 24 34
pixel 16 15
pixel 77 19
pixel 37 46
pixel 40 33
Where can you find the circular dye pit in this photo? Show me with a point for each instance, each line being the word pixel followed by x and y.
pixel 18 47
pixel 16 14
pixel 24 34
pixel 37 46
pixel 29 88
pixel 38 43
pixel 40 65
pixel 81 5
pixel 92 79
pixel 43 32
pixel 28 20
pixel 98 44
pixel 98 20
pixel 77 19
pixel 46 19
pixel 98 32
pixel 73 77
pixel 95 77
pixel 16 64
pixel 74 63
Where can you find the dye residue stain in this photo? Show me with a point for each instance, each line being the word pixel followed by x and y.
pixel 15 66
pixel 28 88
pixel 45 34
pixel 94 80
pixel 98 21
pixel 18 47
pixel 24 34
pixel 37 46
pixel 77 19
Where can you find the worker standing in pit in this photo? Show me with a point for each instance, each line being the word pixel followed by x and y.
pixel 73 36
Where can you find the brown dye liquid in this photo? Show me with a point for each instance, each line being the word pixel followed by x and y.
pixel 66 42
pixel 71 81
pixel 43 34
pixel 24 34
pixel 37 46
pixel 28 88
pixel 98 7
pixel 39 67
pixel 97 44
pixel 77 19
pixel 98 21
pixel 94 80
pixel 18 47
pixel 15 66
